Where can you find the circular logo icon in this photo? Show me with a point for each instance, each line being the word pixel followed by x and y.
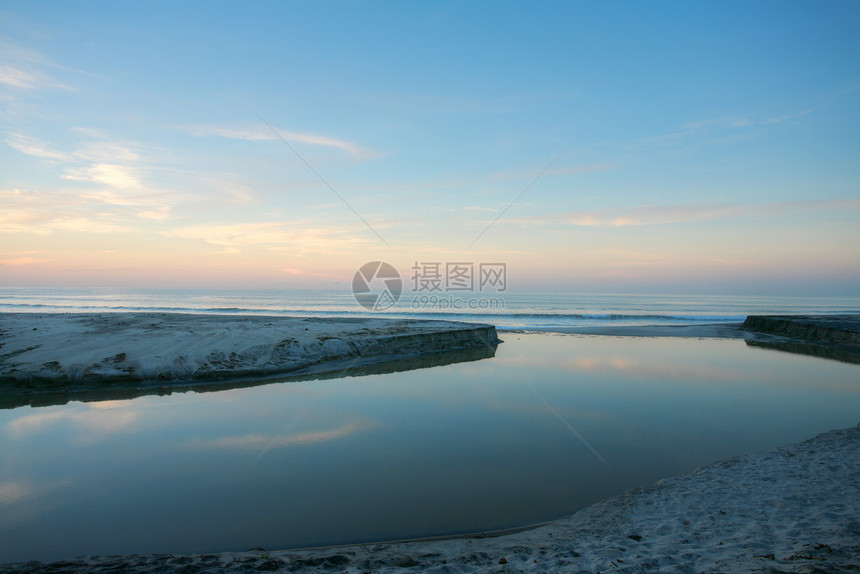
pixel 377 286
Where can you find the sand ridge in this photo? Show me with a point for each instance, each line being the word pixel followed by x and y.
pixel 53 350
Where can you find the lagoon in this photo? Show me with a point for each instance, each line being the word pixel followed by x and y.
pixel 549 425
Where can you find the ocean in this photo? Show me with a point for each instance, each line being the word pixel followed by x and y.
pixel 509 310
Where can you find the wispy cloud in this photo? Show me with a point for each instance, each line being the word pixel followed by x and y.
pixel 514 175
pixel 17 78
pixel 87 211
pixel 300 237
pixel 36 148
pixel 25 70
pixel 306 273
pixel 787 117
pixel 98 147
pixel 28 79
pixel 262 133
pixel 716 130
pixel 109 174
pixel 115 169
pixel 444 103
pixel 685 213
pixel 16 261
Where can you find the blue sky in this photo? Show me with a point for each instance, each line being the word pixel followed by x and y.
pixel 704 147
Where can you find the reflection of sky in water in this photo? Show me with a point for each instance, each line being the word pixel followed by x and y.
pixel 471 446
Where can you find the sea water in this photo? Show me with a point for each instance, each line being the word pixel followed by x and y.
pixel 505 310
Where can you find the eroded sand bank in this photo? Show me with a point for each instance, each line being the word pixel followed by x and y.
pixel 41 353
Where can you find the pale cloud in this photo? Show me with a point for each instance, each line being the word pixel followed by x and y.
pixel 36 148
pixel 722 129
pixel 725 122
pixel 160 213
pixel 297 237
pixel 305 273
pixel 515 175
pixel 445 103
pixel 107 151
pixel 112 175
pixel 236 192
pixel 15 261
pixel 22 68
pixel 41 213
pixel 115 167
pixel 103 150
pixel 629 257
pixel 86 225
pixel 787 117
pixel 16 77
pixel 263 133
pixel 122 197
pixel 684 213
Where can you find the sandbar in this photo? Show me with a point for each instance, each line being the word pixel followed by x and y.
pixel 84 352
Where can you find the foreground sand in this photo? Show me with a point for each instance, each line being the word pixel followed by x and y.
pixel 793 509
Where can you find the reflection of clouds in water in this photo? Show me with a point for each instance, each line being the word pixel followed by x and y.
pixel 254 441
pixel 650 369
pixel 22 499
pixel 538 409
pixel 14 491
pixel 29 424
pixel 95 419
pixel 645 369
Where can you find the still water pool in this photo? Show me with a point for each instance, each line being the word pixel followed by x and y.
pixel 549 425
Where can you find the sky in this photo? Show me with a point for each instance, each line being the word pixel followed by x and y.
pixel 675 147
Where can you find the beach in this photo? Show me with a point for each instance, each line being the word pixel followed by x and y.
pixel 792 509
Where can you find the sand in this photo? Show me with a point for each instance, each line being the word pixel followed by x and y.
pixel 80 353
pixel 793 509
